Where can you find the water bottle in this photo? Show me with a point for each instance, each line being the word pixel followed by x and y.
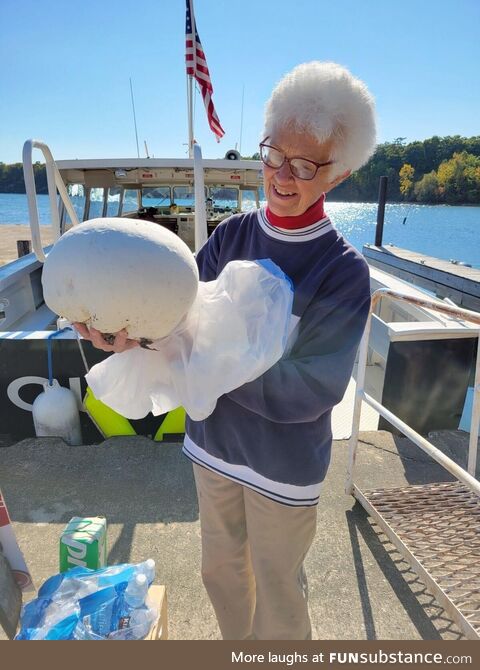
pixel 136 591
pixel 148 569
pixel 141 620
pixel 55 414
pixel 133 613
pixel 116 616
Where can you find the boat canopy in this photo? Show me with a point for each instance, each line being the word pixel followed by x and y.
pixel 138 173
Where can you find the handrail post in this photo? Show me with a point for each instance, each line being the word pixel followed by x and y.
pixel 201 233
pixel 54 182
pixel 357 407
pixel 32 199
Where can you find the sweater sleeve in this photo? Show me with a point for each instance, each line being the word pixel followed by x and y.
pixel 315 375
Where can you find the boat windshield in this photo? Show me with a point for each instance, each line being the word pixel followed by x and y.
pixel 224 197
pixel 184 196
pixel 156 196
pixel 77 197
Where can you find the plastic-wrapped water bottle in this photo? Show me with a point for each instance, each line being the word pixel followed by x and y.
pixel 113 620
pixel 79 582
pixel 148 569
pixel 141 620
pixel 125 615
pixel 109 603
pixel 136 618
pixel 136 591
pixel 133 607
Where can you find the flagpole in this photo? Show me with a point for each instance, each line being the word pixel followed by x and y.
pixel 190 94
pixel 191 90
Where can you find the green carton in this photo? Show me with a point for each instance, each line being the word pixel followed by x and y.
pixel 84 542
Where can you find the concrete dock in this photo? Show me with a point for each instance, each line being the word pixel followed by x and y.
pixel 359 586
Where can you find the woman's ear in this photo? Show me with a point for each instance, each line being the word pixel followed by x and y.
pixel 338 180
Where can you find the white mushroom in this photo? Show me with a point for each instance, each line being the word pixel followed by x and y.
pixel 121 273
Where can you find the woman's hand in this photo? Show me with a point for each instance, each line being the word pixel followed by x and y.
pixel 120 342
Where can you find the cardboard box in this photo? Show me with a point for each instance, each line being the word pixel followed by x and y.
pixel 84 542
pixel 159 631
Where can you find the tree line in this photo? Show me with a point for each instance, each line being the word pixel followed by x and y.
pixel 436 170
pixel 11 178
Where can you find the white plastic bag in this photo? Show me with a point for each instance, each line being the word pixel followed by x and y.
pixel 236 329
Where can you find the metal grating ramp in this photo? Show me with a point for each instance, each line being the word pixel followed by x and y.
pixel 436 528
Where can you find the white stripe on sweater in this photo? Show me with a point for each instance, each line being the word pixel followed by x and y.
pixel 287 494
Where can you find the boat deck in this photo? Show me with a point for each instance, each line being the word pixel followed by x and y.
pixel 360 588
pixel 446 279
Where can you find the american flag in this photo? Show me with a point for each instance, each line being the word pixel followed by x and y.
pixel 197 67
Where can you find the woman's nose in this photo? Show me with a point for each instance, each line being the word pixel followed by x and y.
pixel 284 172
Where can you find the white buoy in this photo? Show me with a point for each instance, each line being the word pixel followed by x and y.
pixel 55 414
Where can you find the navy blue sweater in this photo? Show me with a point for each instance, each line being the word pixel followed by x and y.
pixel 274 433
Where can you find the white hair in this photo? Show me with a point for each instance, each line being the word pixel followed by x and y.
pixel 326 101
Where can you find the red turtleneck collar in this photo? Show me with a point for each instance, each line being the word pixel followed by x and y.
pixel 312 215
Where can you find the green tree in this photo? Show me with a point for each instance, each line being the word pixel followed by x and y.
pixel 459 178
pixel 426 189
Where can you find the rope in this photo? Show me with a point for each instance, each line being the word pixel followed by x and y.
pixel 49 352
pixel 82 353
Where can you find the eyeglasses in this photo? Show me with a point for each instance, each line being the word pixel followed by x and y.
pixel 301 168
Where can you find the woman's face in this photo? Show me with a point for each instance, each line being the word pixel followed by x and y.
pixel 287 195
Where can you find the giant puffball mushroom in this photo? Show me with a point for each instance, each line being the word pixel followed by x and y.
pixel 116 273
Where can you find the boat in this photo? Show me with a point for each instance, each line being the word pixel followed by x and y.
pixel 406 339
pixel 159 190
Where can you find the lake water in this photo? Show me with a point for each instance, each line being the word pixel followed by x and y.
pixel 440 230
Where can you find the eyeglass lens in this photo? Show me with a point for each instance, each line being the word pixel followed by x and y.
pixel 300 167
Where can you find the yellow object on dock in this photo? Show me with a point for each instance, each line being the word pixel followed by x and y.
pixel 111 423
pixel 108 422
pixel 173 423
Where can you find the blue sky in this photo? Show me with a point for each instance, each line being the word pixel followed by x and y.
pixel 66 67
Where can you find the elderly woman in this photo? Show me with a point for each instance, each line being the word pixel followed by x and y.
pixel 260 458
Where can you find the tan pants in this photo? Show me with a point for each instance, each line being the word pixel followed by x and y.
pixel 252 560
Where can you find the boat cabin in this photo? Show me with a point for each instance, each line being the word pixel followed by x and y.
pixel 160 190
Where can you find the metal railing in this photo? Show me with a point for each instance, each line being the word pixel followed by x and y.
pixel 434 526
pixel 468 478
pixel 54 183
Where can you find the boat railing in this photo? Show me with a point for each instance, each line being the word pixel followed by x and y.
pixel 54 183
pixel 431 525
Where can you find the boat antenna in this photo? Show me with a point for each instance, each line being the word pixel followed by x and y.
pixel 134 117
pixel 146 149
pixel 241 121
